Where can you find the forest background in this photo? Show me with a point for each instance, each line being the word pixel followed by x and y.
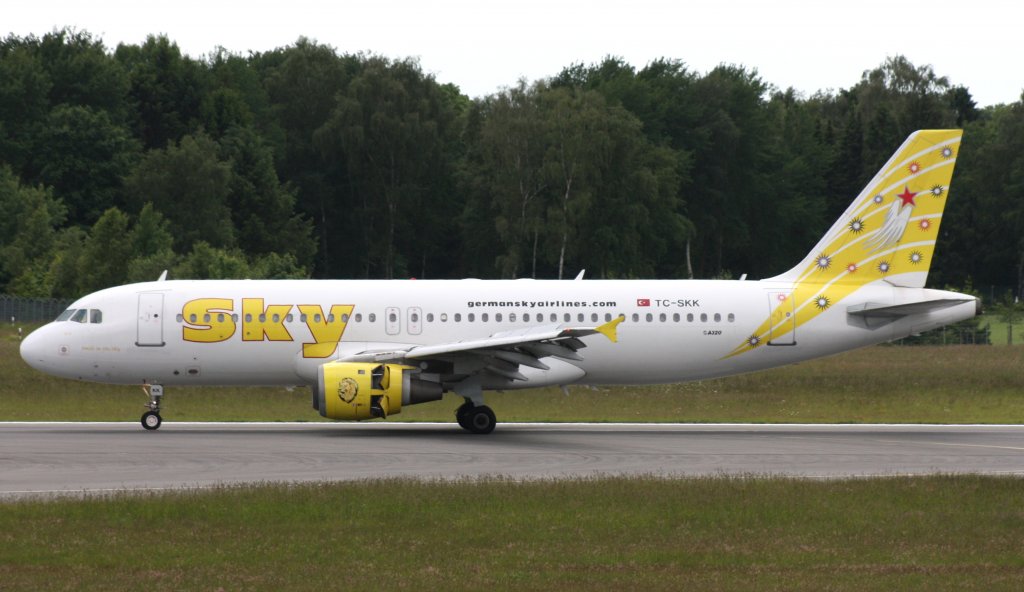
pixel 303 162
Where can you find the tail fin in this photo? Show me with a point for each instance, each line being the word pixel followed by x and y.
pixel 888 233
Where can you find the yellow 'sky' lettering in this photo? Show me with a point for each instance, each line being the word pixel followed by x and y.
pixel 210 319
pixel 259 324
pixel 326 329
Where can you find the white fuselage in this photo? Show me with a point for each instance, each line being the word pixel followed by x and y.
pixel 674 331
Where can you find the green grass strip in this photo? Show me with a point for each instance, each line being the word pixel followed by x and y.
pixel 927 533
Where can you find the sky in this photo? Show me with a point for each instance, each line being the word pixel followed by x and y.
pixel 482 46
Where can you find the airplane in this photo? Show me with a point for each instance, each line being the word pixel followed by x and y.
pixel 366 348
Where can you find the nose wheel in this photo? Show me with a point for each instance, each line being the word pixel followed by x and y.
pixel 151 419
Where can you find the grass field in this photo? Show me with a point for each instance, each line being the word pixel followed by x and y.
pixel 921 384
pixel 930 533
pixel 1000 331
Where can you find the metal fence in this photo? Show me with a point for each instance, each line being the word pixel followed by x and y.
pixel 17 309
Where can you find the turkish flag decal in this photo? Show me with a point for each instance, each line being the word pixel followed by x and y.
pixel 643 301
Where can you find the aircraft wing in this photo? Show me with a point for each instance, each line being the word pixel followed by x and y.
pixel 513 348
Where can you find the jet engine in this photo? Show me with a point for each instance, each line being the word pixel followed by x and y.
pixel 357 390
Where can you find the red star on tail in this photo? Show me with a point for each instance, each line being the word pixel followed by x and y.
pixel 907 196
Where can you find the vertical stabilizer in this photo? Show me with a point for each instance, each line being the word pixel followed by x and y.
pixel 886 235
pixel 888 232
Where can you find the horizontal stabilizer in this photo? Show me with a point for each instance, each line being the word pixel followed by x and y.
pixel 887 311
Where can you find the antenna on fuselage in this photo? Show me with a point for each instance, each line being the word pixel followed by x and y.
pixel 163 276
pixel 579 276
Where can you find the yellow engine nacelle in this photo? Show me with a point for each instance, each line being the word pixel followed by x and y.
pixel 358 390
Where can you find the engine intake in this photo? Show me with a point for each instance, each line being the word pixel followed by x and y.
pixel 356 391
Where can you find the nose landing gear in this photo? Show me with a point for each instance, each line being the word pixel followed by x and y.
pixel 151 419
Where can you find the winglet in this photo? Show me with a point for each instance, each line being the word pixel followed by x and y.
pixel 610 329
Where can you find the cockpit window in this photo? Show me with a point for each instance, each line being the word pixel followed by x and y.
pixel 95 316
pixel 65 315
pixel 80 316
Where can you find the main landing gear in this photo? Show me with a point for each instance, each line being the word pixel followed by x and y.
pixel 478 419
pixel 151 419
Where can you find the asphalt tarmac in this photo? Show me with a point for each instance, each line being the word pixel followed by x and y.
pixel 73 458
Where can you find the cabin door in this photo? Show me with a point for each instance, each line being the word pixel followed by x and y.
pixel 151 320
pixel 783 319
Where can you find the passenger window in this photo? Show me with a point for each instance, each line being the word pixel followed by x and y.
pixel 732 317
pixel 675 317
pixel 458 317
pixel 567 317
pixel 703 317
pixel 179 318
pixel 192 318
pixel 344 317
pixel 593 317
pixel 95 316
pixel 248 317
pixel 414 318
pixel 650 317
pixel 330 318
pixel 636 318
pixel 372 317
pixel 512 317
pixel 607 317
pixel 263 317
pixel 392 317
pixel 206 318
pixel 662 317
pixel 65 315
pixel 79 316
pixel 471 317
pixel 234 317
pixel 497 317
pixel 220 317
pixel 689 317
pixel 444 317
pixel 276 318
pixel 483 317
pixel 526 317
pixel 718 318
pixel 359 317
pixel 554 318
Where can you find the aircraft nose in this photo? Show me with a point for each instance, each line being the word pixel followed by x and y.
pixel 34 349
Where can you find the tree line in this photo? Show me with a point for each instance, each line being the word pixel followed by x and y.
pixel 306 162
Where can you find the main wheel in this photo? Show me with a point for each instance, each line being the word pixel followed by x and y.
pixel 151 420
pixel 481 420
pixel 462 414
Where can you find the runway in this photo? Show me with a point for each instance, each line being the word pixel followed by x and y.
pixel 55 458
